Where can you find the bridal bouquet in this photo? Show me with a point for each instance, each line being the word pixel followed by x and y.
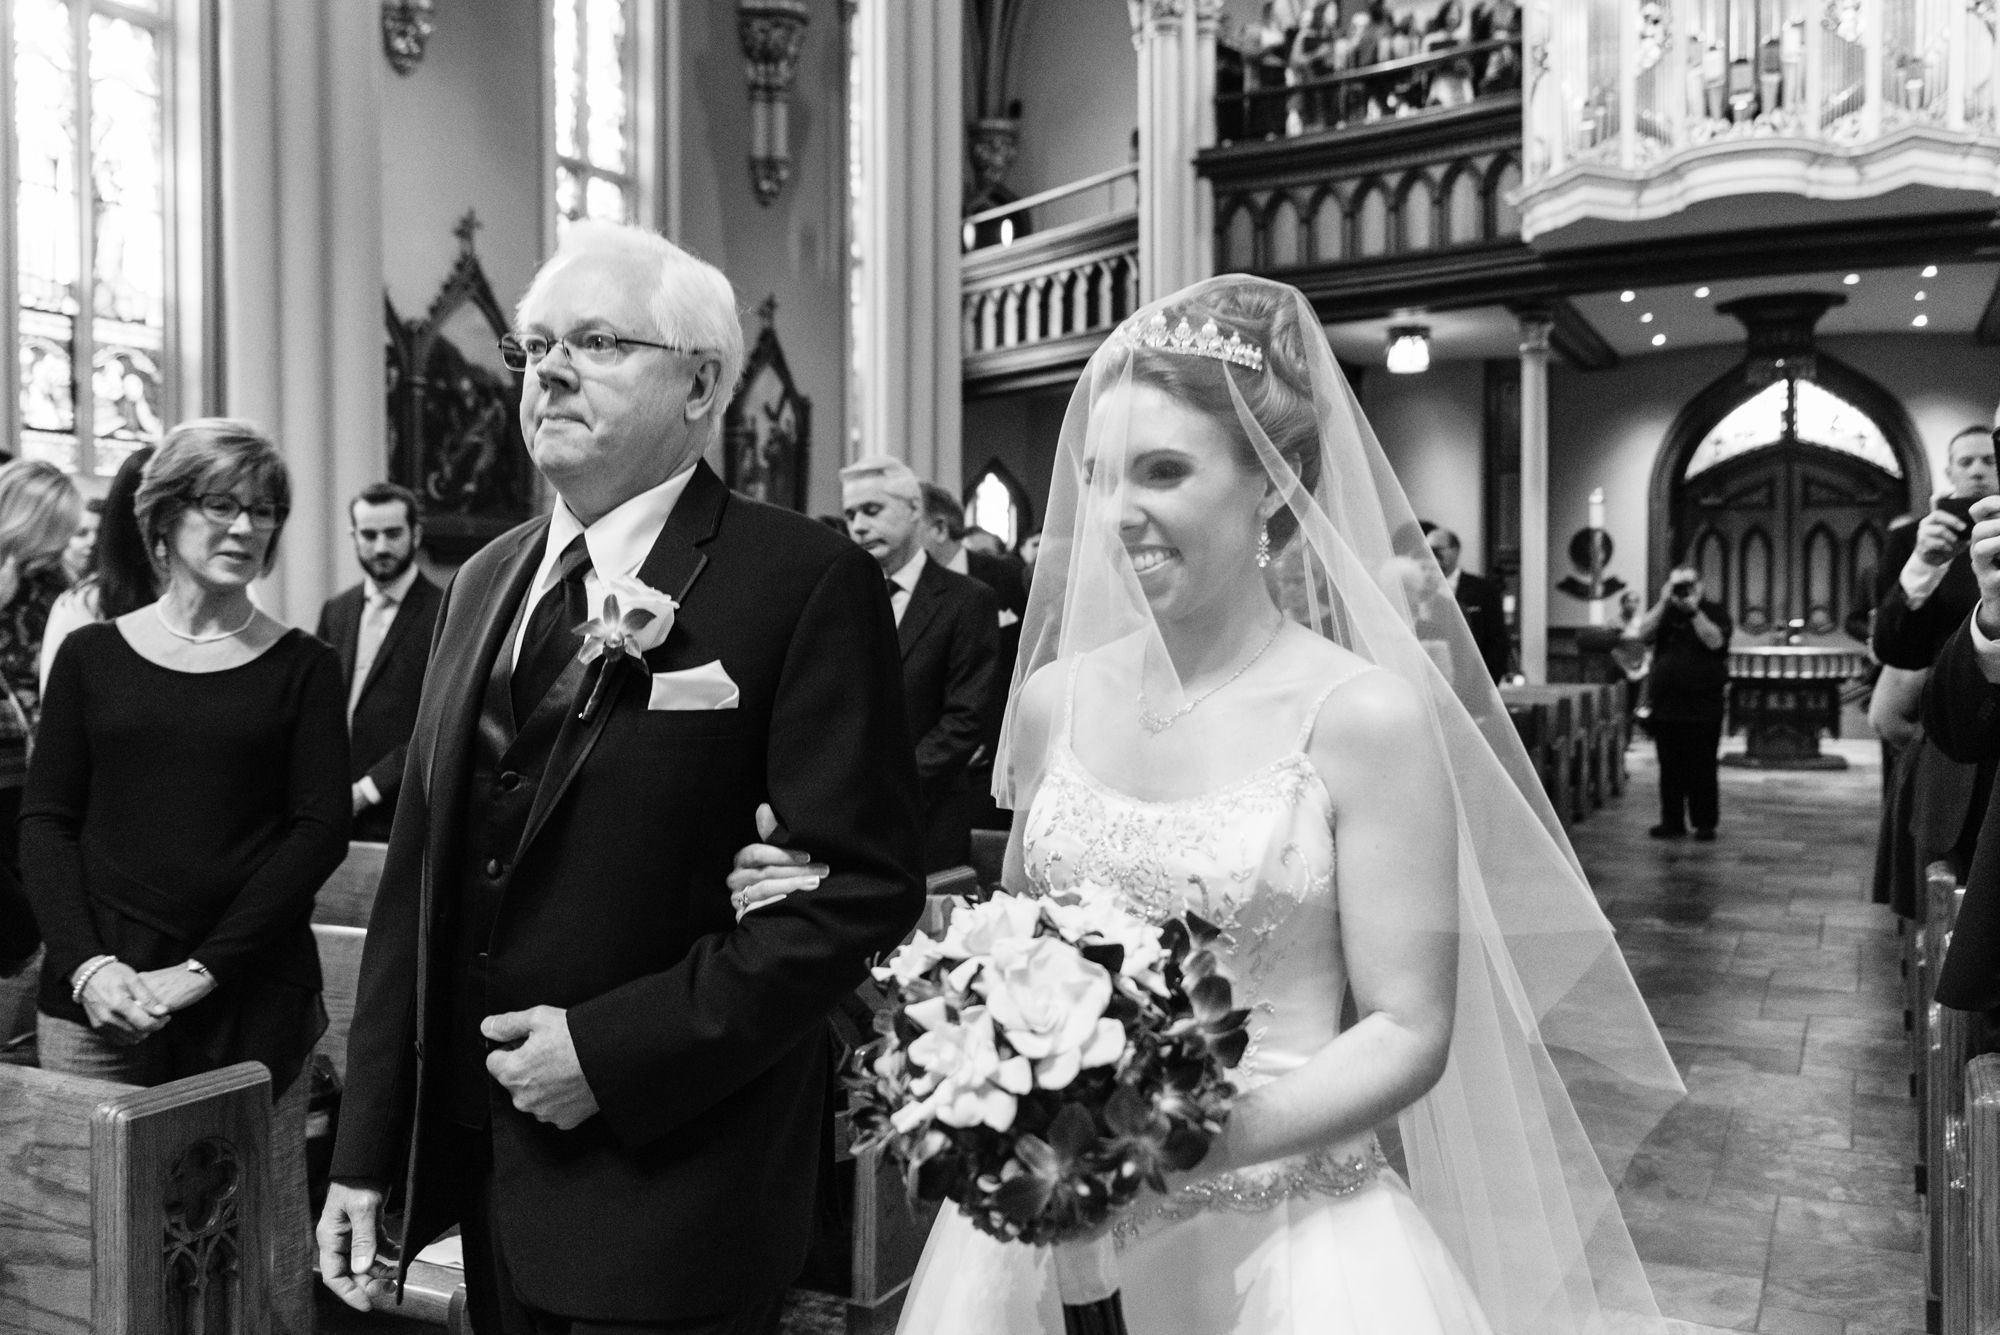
pixel 1043 1063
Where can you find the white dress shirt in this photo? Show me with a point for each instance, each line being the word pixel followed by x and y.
pixel 903 582
pixel 378 612
pixel 619 542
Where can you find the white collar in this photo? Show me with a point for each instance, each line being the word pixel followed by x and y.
pixel 397 589
pixel 913 569
pixel 621 539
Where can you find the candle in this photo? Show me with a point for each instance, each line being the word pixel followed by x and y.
pixel 1597 508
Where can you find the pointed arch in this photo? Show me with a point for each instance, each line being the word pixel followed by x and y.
pixel 1284 232
pixel 996 496
pixel 1416 212
pixel 1370 210
pixel 1503 179
pixel 1821 580
pixel 1463 211
pixel 1326 223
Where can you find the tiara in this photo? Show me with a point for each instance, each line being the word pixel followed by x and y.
pixel 1182 338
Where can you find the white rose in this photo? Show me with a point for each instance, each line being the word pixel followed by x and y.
pixel 1050 1001
pixel 1101 914
pixel 977 928
pixel 644 613
pixel 912 960
pixel 971 1081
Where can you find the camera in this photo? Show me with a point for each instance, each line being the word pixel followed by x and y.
pixel 1681 588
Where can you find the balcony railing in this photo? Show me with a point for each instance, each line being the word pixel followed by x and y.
pixel 1267 108
pixel 1036 305
pixel 1638 110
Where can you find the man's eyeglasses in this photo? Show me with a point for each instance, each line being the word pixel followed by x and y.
pixel 594 347
pixel 219 507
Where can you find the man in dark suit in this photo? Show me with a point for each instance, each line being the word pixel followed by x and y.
pixel 1478 598
pixel 563 1038
pixel 944 543
pixel 382 629
pixel 949 628
pixel 1932 588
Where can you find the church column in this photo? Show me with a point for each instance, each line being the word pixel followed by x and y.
pixel 907 180
pixel 1175 40
pixel 1533 608
pixel 300 267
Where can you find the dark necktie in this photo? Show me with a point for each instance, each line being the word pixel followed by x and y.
pixel 549 640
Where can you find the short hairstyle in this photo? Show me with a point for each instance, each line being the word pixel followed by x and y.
pixel 941 507
pixel 199 456
pixel 896 477
pixel 1985 433
pixel 39 510
pixel 693 304
pixel 1432 530
pixel 384 493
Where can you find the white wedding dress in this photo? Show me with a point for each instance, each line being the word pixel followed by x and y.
pixel 1329 1243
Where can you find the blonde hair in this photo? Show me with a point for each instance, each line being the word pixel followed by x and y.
pixel 693 304
pixel 201 455
pixel 39 511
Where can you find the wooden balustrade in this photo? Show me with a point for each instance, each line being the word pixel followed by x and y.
pixel 1034 311
pixel 128 1211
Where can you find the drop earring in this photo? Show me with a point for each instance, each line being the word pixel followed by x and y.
pixel 1263 546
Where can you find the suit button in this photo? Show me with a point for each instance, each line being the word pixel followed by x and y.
pixel 509 781
pixel 493 868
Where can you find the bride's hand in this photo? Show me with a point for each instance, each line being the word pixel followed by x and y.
pixel 766 873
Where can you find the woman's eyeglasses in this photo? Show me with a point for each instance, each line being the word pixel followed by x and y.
pixel 219 507
pixel 592 347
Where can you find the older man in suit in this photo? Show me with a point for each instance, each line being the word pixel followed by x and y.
pixel 564 1040
pixel 949 628
pixel 382 630
pixel 1479 599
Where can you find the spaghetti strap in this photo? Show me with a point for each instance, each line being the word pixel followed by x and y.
pixel 1319 701
pixel 1069 699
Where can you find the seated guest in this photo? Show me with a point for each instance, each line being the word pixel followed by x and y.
pixel 186 801
pixel 948 626
pixel 120 578
pixel 1479 599
pixel 943 539
pixel 381 628
pixel 83 542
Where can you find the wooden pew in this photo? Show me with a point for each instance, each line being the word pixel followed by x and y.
pixel 1546 730
pixel 127 1211
pixel 1948 1047
pixel 1974 1301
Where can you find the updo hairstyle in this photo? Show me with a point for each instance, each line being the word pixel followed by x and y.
pixel 1279 397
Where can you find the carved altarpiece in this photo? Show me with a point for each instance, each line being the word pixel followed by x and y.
pixel 767 429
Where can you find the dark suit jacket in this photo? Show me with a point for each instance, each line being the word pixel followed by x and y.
pixel 379 732
pixel 1479 599
pixel 703 1039
pixel 1962 719
pixel 1907 637
pixel 950 636
pixel 1008 579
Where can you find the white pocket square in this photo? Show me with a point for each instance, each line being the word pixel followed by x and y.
pixel 704 687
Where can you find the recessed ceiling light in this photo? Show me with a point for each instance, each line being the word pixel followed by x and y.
pixel 1920 296
pixel 1920 321
pixel 1851 279
pixel 1930 271
pixel 1701 292
pixel 1647 318
pixel 1659 340
pixel 1628 295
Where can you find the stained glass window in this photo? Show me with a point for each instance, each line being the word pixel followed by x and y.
pixel 1818 417
pixel 593 52
pixel 90 321
pixel 995 504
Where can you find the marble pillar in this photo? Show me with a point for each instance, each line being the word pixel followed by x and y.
pixel 1175 40
pixel 1533 607
pixel 300 268
pixel 907 183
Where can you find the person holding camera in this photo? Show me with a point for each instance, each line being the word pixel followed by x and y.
pixel 1689 636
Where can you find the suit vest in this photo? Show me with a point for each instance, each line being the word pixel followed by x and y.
pixel 508 767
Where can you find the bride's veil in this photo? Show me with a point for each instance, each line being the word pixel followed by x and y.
pixel 1556 1072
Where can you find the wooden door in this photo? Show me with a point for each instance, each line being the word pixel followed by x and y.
pixel 1789 532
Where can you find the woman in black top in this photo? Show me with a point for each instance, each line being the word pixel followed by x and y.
pixel 187 797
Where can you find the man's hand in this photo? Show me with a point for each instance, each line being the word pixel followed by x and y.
pixel 349 1227
pixel 541 1073
pixel 177 987
pixel 1939 535
pixel 1986 563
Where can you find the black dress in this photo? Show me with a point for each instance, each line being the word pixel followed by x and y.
pixel 171 815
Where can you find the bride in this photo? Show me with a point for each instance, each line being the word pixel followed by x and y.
pixel 1222 706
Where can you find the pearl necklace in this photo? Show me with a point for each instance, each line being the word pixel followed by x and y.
pixel 1159 723
pixel 219 636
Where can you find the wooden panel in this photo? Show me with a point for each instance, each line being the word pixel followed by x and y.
pixel 888 1234
pixel 45 1199
pixel 1371 222
pixel 1758 585
pixel 191 1160
pixel 1418 213
pixel 349 894
pixel 1711 558
pixel 1820 578
pixel 340 967
pixel 1864 565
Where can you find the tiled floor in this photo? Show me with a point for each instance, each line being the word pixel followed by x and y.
pixel 1777 1197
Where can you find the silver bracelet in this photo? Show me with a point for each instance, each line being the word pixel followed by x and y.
pixel 87 971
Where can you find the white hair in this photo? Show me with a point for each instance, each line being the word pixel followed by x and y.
pixel 693 304
pixel 896 477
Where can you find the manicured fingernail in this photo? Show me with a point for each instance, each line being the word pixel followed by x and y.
pixel 801 858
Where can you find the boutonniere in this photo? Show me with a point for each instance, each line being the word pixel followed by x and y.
pixel 636 617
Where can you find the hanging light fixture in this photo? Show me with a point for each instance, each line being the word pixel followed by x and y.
pixel 406 29
pixel 772 33
pixel 1409 349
